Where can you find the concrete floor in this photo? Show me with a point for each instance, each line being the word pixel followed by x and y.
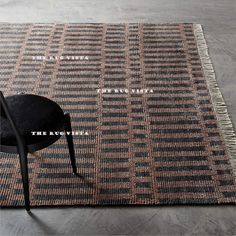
pixel 218 18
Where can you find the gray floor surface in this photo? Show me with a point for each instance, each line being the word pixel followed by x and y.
pixel 218 18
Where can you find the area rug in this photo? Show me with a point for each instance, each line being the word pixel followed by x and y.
pixel 150 124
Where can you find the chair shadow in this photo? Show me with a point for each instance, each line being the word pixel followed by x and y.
pixel 91 184
pixel 43 225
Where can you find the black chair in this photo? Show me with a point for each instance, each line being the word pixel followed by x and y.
pixel 23 114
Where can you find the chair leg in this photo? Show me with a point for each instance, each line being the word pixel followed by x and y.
pixel 25 177
pixel 70 143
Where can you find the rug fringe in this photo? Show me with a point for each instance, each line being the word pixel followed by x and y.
pixel 216 96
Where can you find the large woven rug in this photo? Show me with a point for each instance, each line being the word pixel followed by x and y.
pixel 150 123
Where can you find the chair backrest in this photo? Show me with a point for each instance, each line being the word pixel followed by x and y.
pixel 4 112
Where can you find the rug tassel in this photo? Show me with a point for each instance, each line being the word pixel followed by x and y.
pixel 216 96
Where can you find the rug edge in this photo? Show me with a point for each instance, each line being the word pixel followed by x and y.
pixel 218 102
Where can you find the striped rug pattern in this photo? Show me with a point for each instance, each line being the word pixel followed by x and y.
pixel 147 130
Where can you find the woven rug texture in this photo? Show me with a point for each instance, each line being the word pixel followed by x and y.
pixel 143 103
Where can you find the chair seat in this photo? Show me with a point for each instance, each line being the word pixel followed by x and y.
pixel 30 113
